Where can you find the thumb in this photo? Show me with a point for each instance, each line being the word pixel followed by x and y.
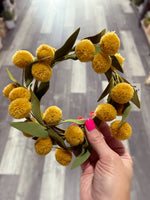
pixel 96 139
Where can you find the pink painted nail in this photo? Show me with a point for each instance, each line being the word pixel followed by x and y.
pixel 90 124
pixel 92 114
pixel 73 124
pixel 80 117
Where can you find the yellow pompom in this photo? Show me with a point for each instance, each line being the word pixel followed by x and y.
pixel 101 63
pixel 110 43
pixel 106 112
pixel 123 132
pixel 44 51
pixel 22 58
pixel 19 92
pixel 85 50
pixel 120 60
pixel 63 156
pixel 8 89
pixel 41 72
pixel 122 93
pixel 19 108
pixel 74 135
pixel 52 115
pixel 43 146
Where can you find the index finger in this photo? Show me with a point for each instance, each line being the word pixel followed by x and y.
pixel 115 144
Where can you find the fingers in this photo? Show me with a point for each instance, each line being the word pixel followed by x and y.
pixel 97 140
pixel 115 144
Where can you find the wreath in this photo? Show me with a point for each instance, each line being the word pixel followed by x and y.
pixel 45 128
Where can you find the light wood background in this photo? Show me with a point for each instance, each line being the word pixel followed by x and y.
pixel 75 88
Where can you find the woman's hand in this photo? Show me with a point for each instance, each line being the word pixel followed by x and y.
pixel 107 174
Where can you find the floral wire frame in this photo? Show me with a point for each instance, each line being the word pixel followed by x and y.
pixel 38 128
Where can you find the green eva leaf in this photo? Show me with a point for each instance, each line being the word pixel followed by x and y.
pixel 97 49
pixel 42 89
pixel 96 38
pixel 135 99
pixel 28 75
pixel 67 46
pixel 36 107
pixel 115 63
pixel 125 113
pixel 58 139
pixel 107 89
pixel 12 78
pixel 81 158
pixel 109 74
pixel 76 121
pixel 31 128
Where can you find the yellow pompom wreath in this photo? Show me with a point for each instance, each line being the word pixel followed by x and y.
pixel 8 89
pixel 85 50
pixel 101 63
pixel 43 51
pixel 41 72
pixel 120 60
pixel 74 135
pixel 19 108
pixel 106 112
pixel 123 132
pixel 110 43
pixel 122 93
pixel 52 115
pixel 22 58
pixel 43 146
pixel 19 92
pixel 63 156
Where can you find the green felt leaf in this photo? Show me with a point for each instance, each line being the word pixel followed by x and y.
pixel 108 74
pixel 125 114
pixel 12 78
pixel 107 89
pixel 71 56
pixel 81 158
pixel 42 89
pixel 115 63
pixel 97 49
pixel 76 121
pixel 58 139
pixel 28 75
pixel 31 128
pixel 36 107
pixel 67 46
pixel 135 99
pixel 96 38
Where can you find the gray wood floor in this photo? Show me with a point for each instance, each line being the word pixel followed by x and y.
pixel 27 176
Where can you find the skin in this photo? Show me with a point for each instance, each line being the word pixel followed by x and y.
pixel 107 174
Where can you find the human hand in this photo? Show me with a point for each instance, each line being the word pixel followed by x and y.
pixel 107 174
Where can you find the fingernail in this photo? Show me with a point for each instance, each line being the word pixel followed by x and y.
pixel 90 125
pixel 92 114
pixel 80 117
pixel 73 124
